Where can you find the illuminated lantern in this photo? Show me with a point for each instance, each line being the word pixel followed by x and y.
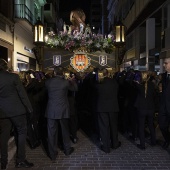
pixel 120 33
pixel 38 33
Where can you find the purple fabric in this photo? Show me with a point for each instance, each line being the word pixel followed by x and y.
pixel 137 76
pixel 37 76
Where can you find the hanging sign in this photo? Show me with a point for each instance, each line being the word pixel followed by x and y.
pixel 57 60
pixel 103 60
pixel 80 61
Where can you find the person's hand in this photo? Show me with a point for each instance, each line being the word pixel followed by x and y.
pixel 136 82
pixel 71 78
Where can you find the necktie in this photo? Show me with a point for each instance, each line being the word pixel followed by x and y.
pixel 167 79
pixel 168 76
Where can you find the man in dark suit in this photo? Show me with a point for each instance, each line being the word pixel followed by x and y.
pixel 164 112
pixel 14 104
pixel 58 112
pixel 107 109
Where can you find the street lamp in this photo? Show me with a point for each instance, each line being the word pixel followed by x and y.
pixel 119 42
pixel 39 42
pixel 39 33
pixel 120 33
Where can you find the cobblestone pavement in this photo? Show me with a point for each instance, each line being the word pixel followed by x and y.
pixel 88 156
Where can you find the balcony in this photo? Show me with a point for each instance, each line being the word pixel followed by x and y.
pixel 22 12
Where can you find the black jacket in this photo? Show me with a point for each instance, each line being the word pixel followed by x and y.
pixel 165 95
pixel 147 102
pixel 13 98
pixel 107 96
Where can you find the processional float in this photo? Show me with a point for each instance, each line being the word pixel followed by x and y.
pixel 83 43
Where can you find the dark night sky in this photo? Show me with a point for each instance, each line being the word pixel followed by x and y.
pixel 66 6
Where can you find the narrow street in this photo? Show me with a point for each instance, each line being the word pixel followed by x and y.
pixel 88 156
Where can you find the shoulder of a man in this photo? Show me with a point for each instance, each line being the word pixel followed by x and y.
pixel 11 75
pixel 164 75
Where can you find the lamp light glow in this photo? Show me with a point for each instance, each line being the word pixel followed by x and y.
pixel 38 32
pixel 120 33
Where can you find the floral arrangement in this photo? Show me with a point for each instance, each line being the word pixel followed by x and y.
pixel 77 40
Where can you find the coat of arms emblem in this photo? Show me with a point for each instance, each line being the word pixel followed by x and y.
pixel 80 62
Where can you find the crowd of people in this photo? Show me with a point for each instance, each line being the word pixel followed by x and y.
pixel 42 108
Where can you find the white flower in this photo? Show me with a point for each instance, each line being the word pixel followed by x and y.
pixel 105 44
pixel 110 36
pixel 78 39
pixel 97 45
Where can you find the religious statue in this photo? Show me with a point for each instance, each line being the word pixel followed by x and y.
pixel 77 17
pixel 65 27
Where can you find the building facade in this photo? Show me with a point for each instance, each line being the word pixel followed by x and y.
pixel 95 16
pixel 147 34
pixel 17 19
pixel 6 31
